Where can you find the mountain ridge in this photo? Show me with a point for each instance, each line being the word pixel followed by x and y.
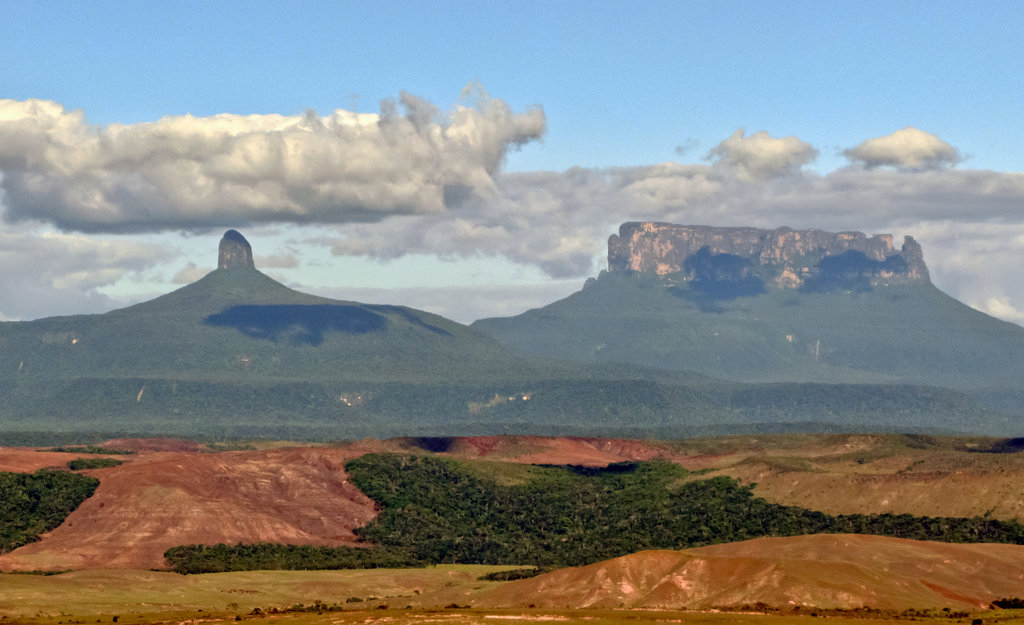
pixel 781 258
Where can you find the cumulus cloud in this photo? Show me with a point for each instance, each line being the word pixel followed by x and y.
pixel 189 274
pixel 907 149
pixel 761 155
pixel 464 304
pixel 560 222
pixel 556 221
pixel 1002 308
pixel 277 261
pixel 230 170
pixel 49 274
pixel 434 175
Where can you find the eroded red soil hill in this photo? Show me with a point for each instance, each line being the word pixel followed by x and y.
pixel 173 492
pixel 161 499
pixel 823 571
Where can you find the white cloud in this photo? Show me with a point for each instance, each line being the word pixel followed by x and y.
pixel 908 149
pixel 49 274
pixel 230 170
pixel 189 274
pixel 277 261
pixel 434 174
pixel 464 304
pixel 1002 308
pixel 761 155
pixel 560 222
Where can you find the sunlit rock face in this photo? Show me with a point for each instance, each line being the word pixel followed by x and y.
pixel 781 258
pixel 234 252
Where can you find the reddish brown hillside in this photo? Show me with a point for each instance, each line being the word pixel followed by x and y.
pixel 824 571
pixel 171 493
pixel 23 460
pixel 566 450
pixel 162 499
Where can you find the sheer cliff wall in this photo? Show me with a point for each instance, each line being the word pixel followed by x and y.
pixel 784 258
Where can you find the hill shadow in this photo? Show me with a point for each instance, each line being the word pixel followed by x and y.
pixel 307 324
pixel 717 278
pixel 851 271
pixel 299 323
pixel 406 314
pixel 1001 446
pixel 435 444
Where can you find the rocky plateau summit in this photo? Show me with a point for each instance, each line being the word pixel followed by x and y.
pixel 783 257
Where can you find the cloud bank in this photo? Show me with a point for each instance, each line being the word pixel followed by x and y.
pixel 51 274
pixel 414 179
pixel 195 173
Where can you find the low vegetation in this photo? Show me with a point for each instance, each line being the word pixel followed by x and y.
pixel 79 464
pixel 437 510
pixel 91 449
pixel 31 504
pixel 223 558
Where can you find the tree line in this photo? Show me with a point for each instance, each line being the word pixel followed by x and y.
pixel 436 510
pixel 34 503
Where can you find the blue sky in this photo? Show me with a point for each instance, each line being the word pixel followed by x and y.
pixel 622 83
pixel 622 87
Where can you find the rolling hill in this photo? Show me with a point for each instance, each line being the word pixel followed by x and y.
pixel 821 571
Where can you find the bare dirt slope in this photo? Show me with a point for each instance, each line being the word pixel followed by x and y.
pixel 865 473
pixel 171 493
pixel 23 460
pixel 823 571
pixel 162 499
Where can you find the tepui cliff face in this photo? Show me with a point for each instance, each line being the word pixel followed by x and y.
pixel 234 252
pixel 781 258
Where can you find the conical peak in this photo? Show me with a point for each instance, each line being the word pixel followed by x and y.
pixel 235 252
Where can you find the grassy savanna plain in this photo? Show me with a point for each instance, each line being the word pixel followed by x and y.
pixel 486 617
pixel 387 597
pixel 156 596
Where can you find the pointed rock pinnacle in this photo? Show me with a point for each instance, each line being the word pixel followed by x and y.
pixel 235 252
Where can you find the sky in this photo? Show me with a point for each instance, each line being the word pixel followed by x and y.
pixel 472 158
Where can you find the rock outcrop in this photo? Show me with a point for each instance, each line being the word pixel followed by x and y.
pixel 783 258
pixel 234 252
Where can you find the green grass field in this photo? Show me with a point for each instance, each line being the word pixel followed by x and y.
pixel 151 596
pixel 412 597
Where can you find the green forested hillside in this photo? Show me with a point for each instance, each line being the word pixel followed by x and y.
pixel 237 354
pixel 911 334
pixel 627 405
pixel 239 324
pixel 31 504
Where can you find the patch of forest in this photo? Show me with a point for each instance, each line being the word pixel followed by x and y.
pixel 33 503
pixel 79 464
pixel 437 510
pixel 222 558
